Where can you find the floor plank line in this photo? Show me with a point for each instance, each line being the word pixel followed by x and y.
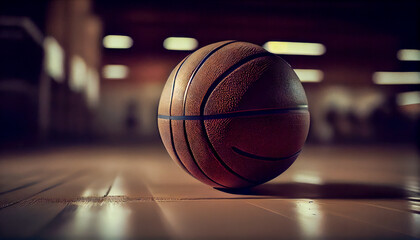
pixel 382 207
pixel 109 189
pixel 16 182
pixel 272 211
pixel 365 222
pixel 52 222
pixel 74 175
pixel 21 187
pixel 116 173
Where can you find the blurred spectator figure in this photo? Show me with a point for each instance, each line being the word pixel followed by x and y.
pixel 332 119
pixel 355 126
pixel 390 124
pixel 131 120
pixel 418 133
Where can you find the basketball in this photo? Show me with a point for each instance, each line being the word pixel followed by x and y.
pixel 233 115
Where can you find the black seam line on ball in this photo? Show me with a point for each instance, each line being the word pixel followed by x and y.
pixel 206 97
pixel 250 155
pixel 248 113
pixel 185 98
pixel 198 68
pixel 170 123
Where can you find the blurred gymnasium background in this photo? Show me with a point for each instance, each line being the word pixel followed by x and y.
pixel 89 72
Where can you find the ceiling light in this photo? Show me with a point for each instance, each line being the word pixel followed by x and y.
pixel 180 43
pixel 309 75
pixel 117 42
pixel 295 48
pixel 115 71
pixel 408 55
pixel 387 78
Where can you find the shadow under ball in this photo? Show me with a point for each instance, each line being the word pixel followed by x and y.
pixel 233 115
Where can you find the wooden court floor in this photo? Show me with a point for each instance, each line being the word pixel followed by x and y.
pixel 362 192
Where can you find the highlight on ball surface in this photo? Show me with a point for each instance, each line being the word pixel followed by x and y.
pixel 233 115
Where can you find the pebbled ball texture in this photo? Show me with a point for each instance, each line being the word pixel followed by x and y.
pixel 233 115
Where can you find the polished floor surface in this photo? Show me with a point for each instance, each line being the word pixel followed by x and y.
pixel 364 192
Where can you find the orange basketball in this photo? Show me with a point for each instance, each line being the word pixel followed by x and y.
pixel 233 115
